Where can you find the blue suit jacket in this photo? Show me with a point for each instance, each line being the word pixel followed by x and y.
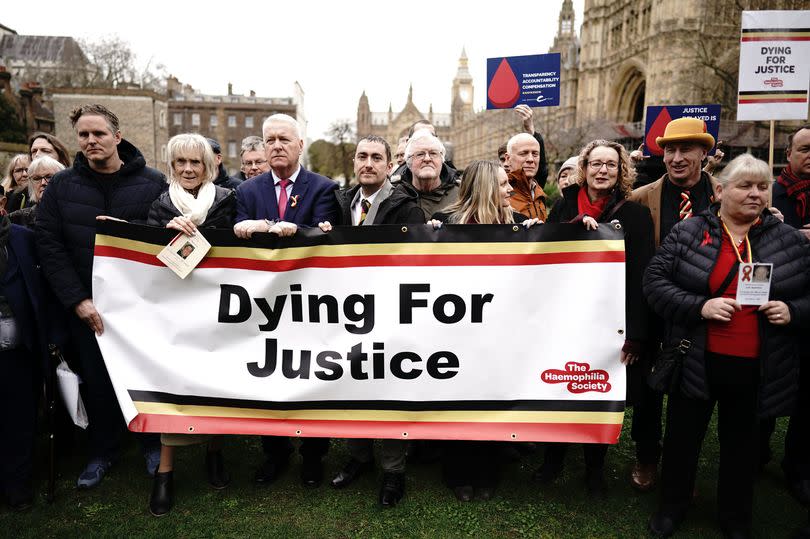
pixel 316 202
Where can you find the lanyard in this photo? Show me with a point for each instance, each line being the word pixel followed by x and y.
pixel 734 245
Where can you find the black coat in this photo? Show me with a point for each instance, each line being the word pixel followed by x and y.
pixel 221 215
pixel 66 217
pixel 677 287
pixel 223 180
pixel 639 247
pixel 399 208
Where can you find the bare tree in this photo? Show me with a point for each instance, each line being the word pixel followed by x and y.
pixel 115 64
pixel 340 133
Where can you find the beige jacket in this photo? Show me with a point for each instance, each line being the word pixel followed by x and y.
pixel 650 195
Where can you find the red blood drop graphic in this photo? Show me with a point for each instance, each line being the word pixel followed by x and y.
pixel 504 90
pixel 657 130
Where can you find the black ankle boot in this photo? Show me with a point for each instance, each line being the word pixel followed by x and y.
pixel 215 466
pixel 162 498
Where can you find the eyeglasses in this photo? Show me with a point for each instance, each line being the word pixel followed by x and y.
pixel 420 156
pixel 597 165
pixel 37 179
pixel 256 163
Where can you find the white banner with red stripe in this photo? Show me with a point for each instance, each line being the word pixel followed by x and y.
pixel 466 332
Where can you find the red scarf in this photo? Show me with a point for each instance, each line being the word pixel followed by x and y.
pixel 797 189
pixel 586 207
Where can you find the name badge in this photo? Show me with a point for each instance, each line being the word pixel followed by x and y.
pixel 754 283
pixel 184 253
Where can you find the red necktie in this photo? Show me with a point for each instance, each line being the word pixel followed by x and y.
pixel 282 197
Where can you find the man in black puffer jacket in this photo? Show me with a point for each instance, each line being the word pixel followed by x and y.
pixel 109 177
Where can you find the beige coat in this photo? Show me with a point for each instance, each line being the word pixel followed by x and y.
pixel 650 195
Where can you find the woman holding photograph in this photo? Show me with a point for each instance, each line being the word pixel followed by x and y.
pixel 742 358
pixel 192 201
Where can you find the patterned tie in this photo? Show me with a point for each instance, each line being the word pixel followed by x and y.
pixel 365 205
pixel 282 197
pixel 685 209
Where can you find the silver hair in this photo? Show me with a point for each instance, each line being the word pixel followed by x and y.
pixel 190 144
pixel 423 135
pixel 745 165
pixel 251 144
pixel 519 138
pixel 45 162
pixel 283 118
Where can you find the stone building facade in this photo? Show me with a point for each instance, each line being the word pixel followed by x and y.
pixel 227 118
pixel 143 115
pixel 628 55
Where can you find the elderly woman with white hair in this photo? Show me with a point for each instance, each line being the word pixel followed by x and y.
pixel 191 202
pixel 40 172
pixel 739 355
pixel 192 199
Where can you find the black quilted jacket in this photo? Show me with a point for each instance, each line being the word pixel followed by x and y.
pixel 66 217
pixel 221 215
pixel 676 284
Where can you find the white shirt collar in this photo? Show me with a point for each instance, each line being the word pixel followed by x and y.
pixel 292 178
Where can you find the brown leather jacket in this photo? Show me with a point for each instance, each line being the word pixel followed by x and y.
pixel 528 197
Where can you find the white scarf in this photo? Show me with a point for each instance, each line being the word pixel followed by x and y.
pixel 195 209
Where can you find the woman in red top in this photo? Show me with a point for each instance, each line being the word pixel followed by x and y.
pixel 741 357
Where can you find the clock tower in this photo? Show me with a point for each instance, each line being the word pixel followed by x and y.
pixel 462 98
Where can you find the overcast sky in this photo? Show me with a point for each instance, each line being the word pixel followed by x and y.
pixel 335 50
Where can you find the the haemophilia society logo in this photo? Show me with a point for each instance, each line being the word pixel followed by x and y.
pixel 579 377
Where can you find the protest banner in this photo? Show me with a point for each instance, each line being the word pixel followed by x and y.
pixel 466 332
pixel 774 68
pixel 774 65
pixel 532 80
pixel 658 117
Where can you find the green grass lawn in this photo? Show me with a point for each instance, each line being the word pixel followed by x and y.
pixel 117 508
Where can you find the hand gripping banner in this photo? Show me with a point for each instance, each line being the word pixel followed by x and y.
pixel 465 332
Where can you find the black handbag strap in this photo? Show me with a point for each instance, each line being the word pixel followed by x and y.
pixel 727 281
pixel 616 208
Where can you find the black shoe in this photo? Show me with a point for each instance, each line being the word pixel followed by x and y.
pixel 464 493
pixel 595 483
pixel 312 472
pixel 353 469
pixel 800 490
pixel 392 489
pixel 547 473
pixel 215 468
pixel 162 498
pixel 269 471
pixel 664 524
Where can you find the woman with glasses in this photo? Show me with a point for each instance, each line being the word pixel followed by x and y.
pixel 16 179
pixel 40 173
pixel 603 180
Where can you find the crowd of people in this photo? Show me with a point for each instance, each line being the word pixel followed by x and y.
pixel 687 234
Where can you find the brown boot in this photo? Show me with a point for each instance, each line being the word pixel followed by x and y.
pixel 643 476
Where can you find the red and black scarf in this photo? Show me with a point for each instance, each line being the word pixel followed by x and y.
pixel 798 190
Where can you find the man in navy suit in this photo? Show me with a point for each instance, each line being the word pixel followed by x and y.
pixel 288 193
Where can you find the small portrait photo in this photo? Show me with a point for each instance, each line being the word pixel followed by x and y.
pixel 185 250
pixel 762 273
